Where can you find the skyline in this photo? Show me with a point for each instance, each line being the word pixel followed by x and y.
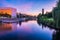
pixel 32 7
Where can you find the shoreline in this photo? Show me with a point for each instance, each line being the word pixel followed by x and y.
pixel 48 24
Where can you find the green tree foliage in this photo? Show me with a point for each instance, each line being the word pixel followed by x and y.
pixel 58 4
pixel 48 15
pixel 56 14
pixel 39 15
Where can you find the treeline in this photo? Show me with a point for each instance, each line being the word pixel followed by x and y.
pixel 48 15
pixel 52 18
pixel 24 16
pixel 5 15
pixel 46 19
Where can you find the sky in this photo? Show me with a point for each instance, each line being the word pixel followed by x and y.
pixel 32 7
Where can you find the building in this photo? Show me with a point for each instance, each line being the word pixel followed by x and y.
pixel 8 10
pixel 42 11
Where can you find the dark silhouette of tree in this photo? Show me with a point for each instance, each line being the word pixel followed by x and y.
pixel 56 14
pixel 48 15
pixel 56 35
pixel 58 4
pixel 39 15
pixel 19 15
pixel 5 15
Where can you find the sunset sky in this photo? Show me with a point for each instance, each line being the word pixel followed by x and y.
pixel 33 7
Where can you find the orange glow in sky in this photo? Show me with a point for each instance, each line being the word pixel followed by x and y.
pixel 31 7
pixel 8 11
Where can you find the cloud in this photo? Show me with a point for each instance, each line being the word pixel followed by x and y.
pixel 29 7
pixel 20 8
pixel 25 7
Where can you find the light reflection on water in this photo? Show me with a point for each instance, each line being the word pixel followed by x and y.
pixel 29 30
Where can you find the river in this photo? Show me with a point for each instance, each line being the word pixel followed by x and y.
pixel 27 30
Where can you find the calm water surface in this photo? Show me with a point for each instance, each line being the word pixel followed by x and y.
pixel 29 30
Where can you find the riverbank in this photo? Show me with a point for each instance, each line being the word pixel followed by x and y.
pixel 47 22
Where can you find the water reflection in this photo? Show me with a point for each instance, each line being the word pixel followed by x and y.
pixel 26 30
pixel 20 22
pixel 43 26
pixel 56 35
pixel 32 30
pixel 5 26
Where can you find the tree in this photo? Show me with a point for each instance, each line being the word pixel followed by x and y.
pixel 48 15
pixel 56 14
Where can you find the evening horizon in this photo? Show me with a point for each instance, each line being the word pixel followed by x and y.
pixel 32 7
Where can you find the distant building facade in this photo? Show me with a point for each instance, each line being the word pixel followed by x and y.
pixel 8 10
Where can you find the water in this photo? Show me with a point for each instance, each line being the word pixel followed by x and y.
pixel 27 30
